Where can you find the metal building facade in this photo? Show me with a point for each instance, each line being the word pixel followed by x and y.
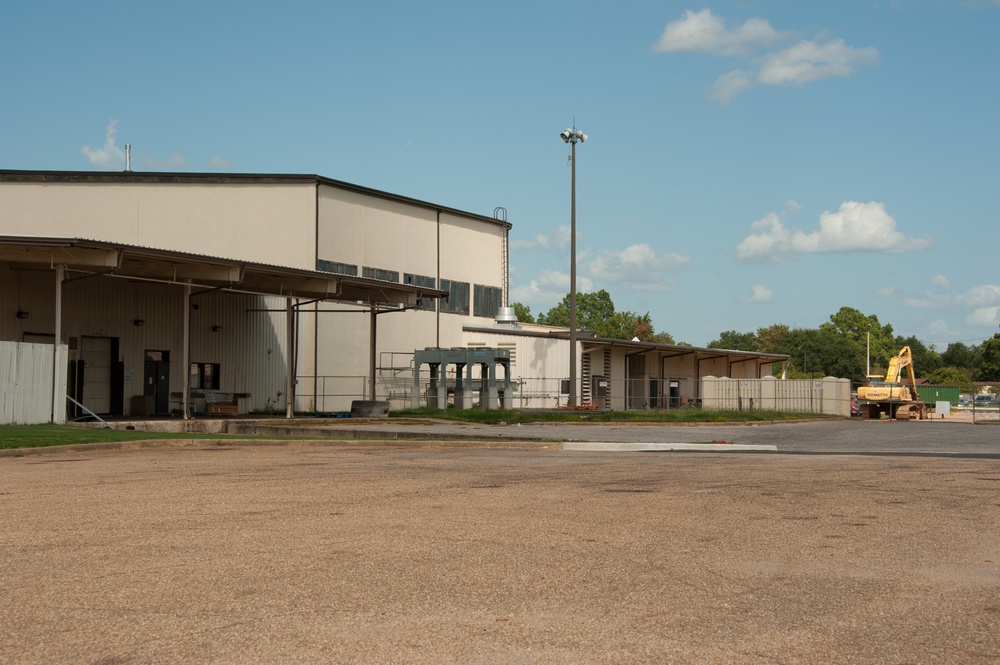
pixel 259 260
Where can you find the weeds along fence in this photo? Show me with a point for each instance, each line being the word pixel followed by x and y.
pixel 829 395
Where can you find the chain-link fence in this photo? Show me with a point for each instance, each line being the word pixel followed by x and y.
pixel 983 410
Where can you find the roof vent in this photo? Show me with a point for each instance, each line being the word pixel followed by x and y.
pixel 506 315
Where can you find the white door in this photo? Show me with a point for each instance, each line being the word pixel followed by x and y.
pixel 96 355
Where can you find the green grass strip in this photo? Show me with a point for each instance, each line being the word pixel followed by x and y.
pixel 38 436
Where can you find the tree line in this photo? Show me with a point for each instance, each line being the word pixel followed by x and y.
pixel 850 345
pixel 596 312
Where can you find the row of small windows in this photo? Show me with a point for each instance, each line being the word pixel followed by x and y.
pixel 486 300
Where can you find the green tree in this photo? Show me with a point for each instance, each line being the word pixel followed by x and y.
pixel 523 313
pixel 960 355
pixel 989 366
pixel 629 325
pixel 823 352
pixel 772 338
pixel 855 327
pixel 952 376
pixel 596 312
pixel 736 341
pixel 593 311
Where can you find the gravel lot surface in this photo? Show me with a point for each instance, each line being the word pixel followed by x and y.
pixel 200 552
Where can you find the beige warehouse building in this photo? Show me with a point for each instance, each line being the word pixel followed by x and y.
pixel 166 290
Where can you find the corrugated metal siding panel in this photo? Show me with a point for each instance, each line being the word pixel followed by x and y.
pixel 250 345
pixel 26 383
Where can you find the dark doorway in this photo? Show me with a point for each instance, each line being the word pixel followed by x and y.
pixel 156 380
pixel 675 394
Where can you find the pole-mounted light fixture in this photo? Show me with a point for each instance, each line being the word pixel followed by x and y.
pixel 572 136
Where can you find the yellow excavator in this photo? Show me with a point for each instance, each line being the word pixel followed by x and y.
pixel 893 397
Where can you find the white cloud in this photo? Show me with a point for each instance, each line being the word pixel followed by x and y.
pixel 729 85
pixel 564 234
pixel 759 293
pixel 637 265
pixel 922 303
pixel 886 292
pixel 220 163
pixel 977 296
pixel 540 241
pixel 939 328
pixel 108 156
pixel 940 281
pixel 548 289
pixel 804 62
pixel 984 316
pixel 705 32
pixel 855 227
pixel 812 60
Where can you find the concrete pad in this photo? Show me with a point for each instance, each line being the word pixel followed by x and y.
pixel 637 447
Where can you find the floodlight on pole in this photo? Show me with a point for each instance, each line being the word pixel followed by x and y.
pixel 572 136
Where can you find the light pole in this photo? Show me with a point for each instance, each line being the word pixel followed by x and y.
pixel 868 354
pixel 572 136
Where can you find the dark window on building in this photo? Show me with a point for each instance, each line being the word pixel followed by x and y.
pixel 458 297
pixel 430 304
pixel 487 300
pixel 380 273
pixel 337 267
pixel 205 376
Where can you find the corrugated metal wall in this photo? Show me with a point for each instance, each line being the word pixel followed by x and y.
pixel 235 331
pixel 26 382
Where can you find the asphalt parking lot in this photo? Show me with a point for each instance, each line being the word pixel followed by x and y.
pixel 360 552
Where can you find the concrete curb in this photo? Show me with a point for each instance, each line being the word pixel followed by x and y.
pixel 426 443
pixel 597 446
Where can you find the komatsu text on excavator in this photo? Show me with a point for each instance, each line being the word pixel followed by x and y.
pixel 893 397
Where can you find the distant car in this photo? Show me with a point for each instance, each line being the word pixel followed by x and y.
pixel 855 407
pixel 986 400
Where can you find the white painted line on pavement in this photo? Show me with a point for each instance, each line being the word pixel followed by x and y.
pixel 610 446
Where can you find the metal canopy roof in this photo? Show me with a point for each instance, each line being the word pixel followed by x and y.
pixel 93 258
pixel 590 342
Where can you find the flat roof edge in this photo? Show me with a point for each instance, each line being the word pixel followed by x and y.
pixel 194 178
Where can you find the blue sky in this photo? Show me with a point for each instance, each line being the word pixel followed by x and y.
pixel 748 163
